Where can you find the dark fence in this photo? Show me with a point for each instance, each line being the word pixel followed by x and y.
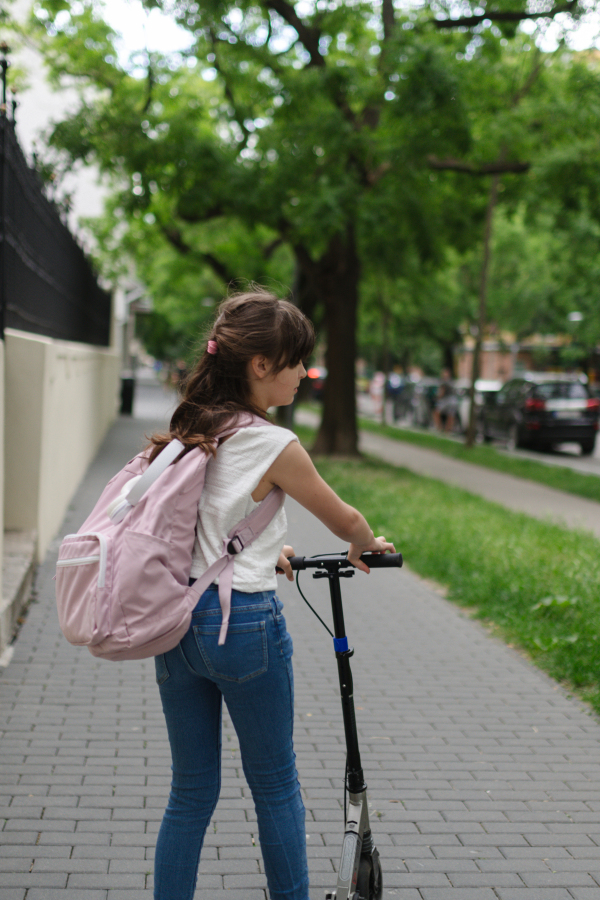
pixel 47 285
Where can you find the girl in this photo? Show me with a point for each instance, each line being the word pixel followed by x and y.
pixel 252 361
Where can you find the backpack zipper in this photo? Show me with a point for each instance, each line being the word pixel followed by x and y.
pixel 83 560
pixel 78 561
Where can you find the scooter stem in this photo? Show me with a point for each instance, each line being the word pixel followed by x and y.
pixel 357 832
pixel 355 781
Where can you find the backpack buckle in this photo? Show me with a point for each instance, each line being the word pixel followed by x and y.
pixel 234 548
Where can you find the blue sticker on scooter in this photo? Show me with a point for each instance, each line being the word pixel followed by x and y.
pixel 340 644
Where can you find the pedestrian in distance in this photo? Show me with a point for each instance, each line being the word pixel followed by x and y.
pixel 252 361
pixel 446 404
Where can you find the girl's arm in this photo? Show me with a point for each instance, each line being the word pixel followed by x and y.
pixel 293 471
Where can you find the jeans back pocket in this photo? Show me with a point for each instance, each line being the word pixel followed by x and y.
pixel 244 654
pixel 162 670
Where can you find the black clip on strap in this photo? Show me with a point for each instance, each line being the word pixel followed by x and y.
pixel 234 548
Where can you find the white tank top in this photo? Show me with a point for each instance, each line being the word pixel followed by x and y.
pixel 226 499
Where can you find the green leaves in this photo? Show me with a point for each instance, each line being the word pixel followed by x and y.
pixel 308 121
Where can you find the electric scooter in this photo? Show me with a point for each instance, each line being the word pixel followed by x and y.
pixel 359 873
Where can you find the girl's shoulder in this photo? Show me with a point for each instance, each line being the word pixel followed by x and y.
pixel 252 450
pixel 261 436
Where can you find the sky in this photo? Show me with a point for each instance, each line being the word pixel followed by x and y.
pixel 154 31
pixel 141 29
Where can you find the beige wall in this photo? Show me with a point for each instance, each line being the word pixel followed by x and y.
pixel 60 399
pixel 2 478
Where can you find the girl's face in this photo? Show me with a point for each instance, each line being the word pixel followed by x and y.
pixel 285 384
pixel 280 389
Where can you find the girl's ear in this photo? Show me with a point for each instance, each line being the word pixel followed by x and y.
pixel 260 366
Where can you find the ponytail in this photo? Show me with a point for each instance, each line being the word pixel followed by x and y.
pixel 217 391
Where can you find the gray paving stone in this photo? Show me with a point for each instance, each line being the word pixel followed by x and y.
pixel 120 894
pixel 52 894
pixel 122 880
pixel 492 879
pixel 32 880
pixel 450 893
pixel 534 894
pixel 207 894
pixel 16 863
pixel 483 774
pixel 555 879
pixel 71 865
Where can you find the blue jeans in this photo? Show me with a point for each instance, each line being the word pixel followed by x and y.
pixel 252 671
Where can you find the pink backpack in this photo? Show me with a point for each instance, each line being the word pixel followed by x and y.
pixel 122 581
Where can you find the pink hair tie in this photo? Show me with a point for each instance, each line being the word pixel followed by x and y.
pixel 212 347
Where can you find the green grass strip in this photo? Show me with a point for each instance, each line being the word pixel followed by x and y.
pixel 536 583
pixel 560 477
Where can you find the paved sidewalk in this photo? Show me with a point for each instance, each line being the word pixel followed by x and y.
pixel 482 773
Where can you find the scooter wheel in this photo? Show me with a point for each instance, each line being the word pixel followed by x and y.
pixel 369 881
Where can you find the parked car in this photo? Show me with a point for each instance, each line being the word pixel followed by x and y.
pixel 484 388
pixel 542 409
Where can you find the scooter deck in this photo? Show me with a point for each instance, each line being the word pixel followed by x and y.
pixel 357 825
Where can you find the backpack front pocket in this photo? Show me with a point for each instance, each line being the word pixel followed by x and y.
pixel 81 572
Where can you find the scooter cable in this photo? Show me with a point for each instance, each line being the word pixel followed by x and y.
pixel 324 624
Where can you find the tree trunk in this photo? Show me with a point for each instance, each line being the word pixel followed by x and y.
pixel 334 278
pixel 303 294
pixel 304 297
pixel 385 351
pixel 448 355
pixel 483 286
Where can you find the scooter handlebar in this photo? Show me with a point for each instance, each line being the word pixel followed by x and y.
pixel 340 561
pixel 383 560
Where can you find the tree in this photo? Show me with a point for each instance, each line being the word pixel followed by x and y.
pixel 322 123
pixel 296 133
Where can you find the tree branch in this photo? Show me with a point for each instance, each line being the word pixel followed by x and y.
pixel 498 16
pixel 526 87
pixel 175 238
pixel 150 83
pixel 213 213
pixel 237 114
pixel 309 35
pixel 270 249
pixel 499 167
pixel 374 175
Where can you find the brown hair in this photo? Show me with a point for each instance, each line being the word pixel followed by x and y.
pixel 254 323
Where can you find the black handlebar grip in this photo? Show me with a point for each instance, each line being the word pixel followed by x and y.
pixel 382 560
pixel 373 560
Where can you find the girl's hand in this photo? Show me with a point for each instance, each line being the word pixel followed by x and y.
pixel 377 545
pixel 283 567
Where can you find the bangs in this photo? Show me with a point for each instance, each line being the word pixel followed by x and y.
pixel 296 337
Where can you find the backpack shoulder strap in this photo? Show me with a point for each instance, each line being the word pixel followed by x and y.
pixel 241 535
pixel 135 489
pixel 154 471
